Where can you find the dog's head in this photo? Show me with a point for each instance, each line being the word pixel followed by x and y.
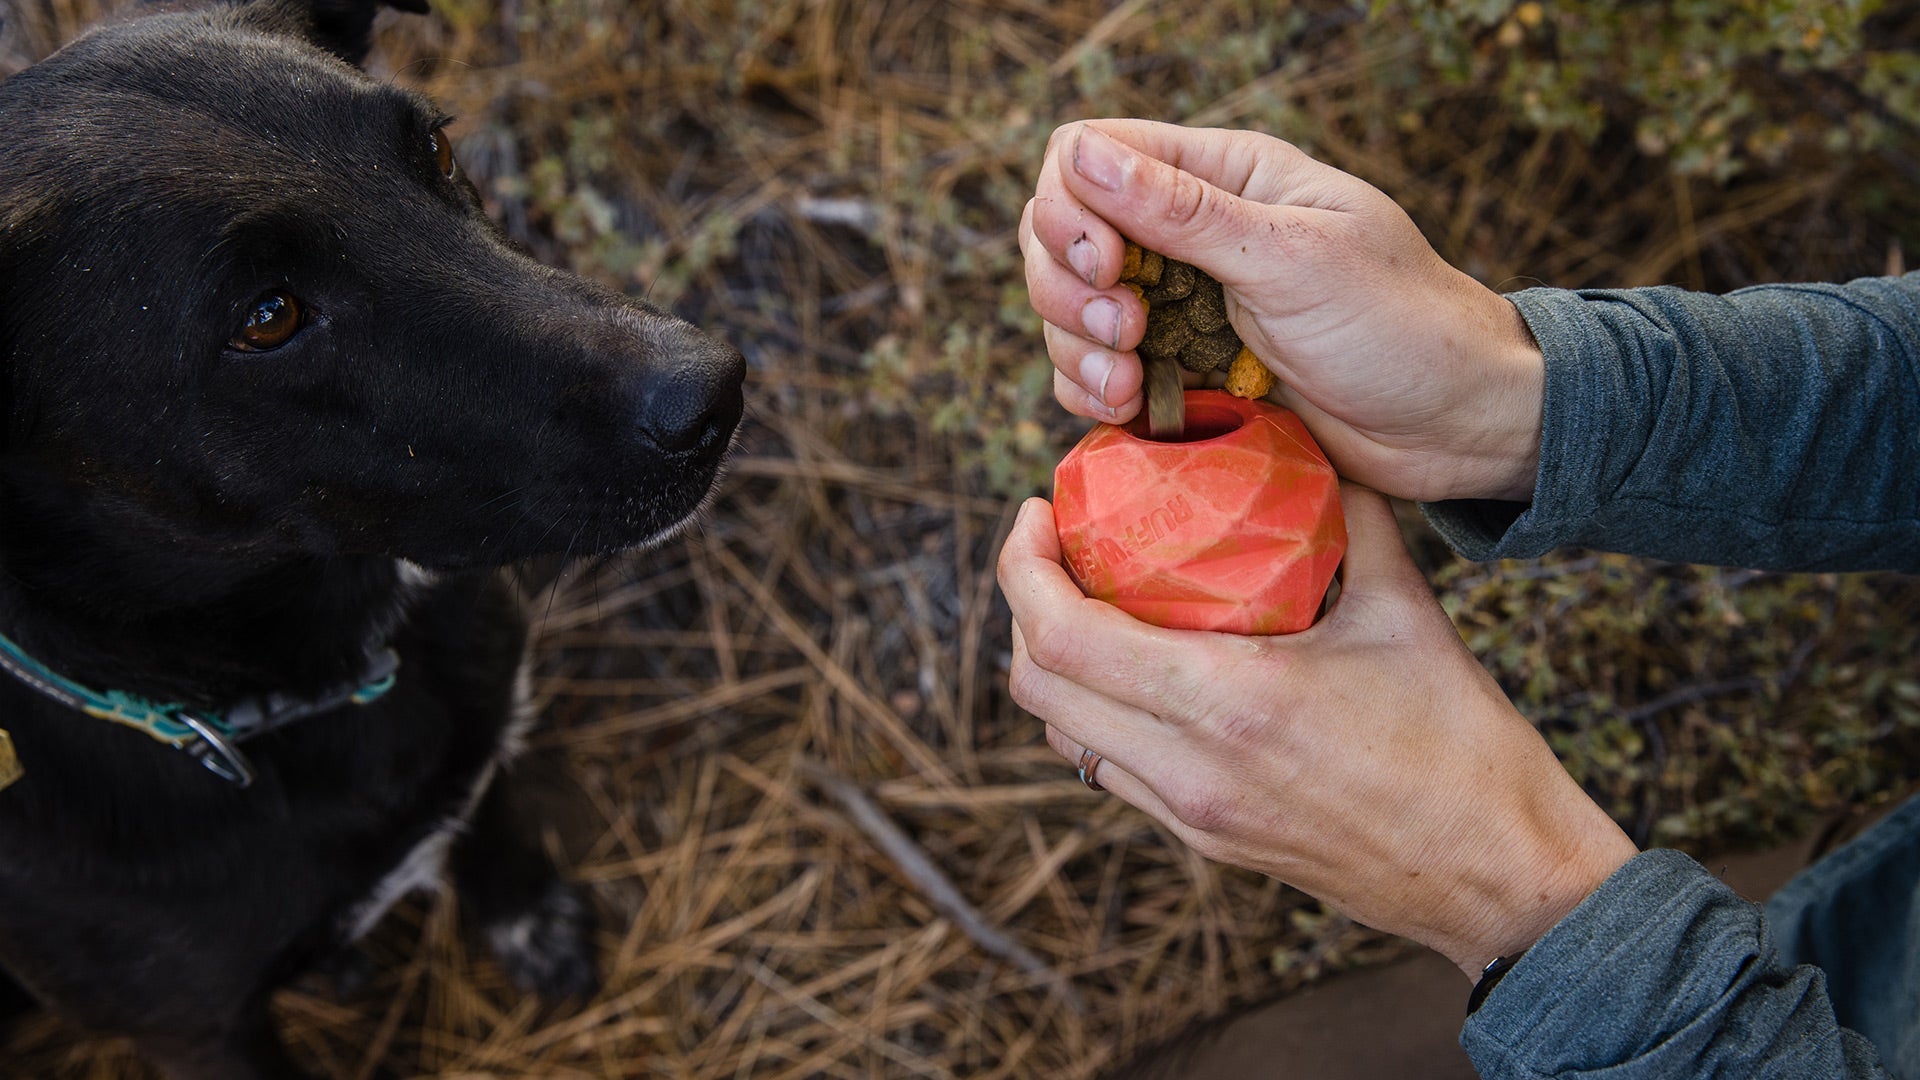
pixel 249 303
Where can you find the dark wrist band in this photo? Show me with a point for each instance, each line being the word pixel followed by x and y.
pixel 1489 976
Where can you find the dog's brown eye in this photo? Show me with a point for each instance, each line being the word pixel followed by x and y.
pixel 442 152
pixel 270 324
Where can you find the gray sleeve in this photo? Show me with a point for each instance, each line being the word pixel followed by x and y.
pixel 1663 972
pixel 1777 427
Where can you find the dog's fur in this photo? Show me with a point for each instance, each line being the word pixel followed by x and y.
pixel 192 522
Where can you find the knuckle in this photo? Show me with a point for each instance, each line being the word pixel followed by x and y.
pixel 1261 146
pixel 1051 644
pixel 1236 731
pixel 1260 724
pixel 1189 200
pixel 1206 809
pixel 1028 686
pixel 1073 397
pixel 1020 684
pixel 1061 745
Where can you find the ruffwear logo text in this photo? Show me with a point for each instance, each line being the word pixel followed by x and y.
pixel 1109 552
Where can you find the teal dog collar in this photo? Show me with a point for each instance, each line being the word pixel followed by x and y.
pixel 211 737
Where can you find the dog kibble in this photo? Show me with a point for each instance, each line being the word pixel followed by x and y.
pixel 1247 377
pixel 1186 326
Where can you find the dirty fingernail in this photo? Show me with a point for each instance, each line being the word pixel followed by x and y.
pixel 1101 160
pixel 1101 318
pixel 1096 371
pixel 1084 257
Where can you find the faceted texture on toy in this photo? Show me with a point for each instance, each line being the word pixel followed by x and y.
pixel 1237 527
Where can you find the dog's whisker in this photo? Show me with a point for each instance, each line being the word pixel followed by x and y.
pixel 510 493
pixel 566 556
pixel 420 63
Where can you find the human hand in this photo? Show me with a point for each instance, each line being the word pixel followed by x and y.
pixel 1416 379
pixel 1368 760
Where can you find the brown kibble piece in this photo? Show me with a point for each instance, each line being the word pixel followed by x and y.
pixel 1248 377
pixel 1152 265
pixel 1207 305
pixel 1208 352
pixel 1140 267
pixel 1186 324
pixel 1176 281
pixel 1165 338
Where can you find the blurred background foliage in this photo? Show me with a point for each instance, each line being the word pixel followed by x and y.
pixel 850 175
pixel 835 186
pixel 1573 144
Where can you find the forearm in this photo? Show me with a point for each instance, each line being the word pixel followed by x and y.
pixel 1663 972
pixel 1774 427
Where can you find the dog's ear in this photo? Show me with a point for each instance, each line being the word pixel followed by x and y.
pixel 342 27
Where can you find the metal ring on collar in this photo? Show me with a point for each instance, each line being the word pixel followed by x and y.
pixel 221 757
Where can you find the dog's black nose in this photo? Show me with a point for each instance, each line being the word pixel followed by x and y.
pixel 694 402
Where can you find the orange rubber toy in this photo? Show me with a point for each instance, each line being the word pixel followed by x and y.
pixel 1235 527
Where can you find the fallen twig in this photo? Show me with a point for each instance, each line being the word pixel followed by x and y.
pixel 932 883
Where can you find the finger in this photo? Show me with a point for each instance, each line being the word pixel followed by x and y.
pixel 1110 775
pixel 1377 558
pixel 1245 164
pixel 1078 401
pixel 1132 737
pixel 1185 793
pixel 1068 634
pixel 1200 216
pixel 1107 379
pixel 1042 596
pixel 1113 318
pixel 1075 237
pixel 1170 675
pixel 1382 591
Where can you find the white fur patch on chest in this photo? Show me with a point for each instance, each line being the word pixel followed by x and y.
pixel 424 868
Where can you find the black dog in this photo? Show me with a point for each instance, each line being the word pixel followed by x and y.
pixel 277 400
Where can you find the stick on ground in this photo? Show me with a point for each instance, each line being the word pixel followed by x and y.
pixel 936 886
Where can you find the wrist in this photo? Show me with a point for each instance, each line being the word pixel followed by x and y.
pixel 1509 405
pixel 1555 860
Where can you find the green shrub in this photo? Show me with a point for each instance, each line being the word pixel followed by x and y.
pixel 1712 85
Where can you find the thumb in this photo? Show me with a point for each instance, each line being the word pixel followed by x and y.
pixel 1377 558
pixel 1029 568
pixel 1195 195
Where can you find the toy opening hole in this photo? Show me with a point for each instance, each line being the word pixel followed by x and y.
pixel 1203 422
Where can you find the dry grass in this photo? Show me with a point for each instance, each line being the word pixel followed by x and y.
pixel 835 185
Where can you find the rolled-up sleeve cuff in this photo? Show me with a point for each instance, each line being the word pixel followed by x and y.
pixel 1582 395
pixel 1663 972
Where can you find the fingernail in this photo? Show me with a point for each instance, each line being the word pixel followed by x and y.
pixel 1101 160
pixel 1096 370
pixel 1084 257
pixel 1101 317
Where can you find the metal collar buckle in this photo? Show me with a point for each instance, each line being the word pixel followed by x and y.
pixel 221 757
